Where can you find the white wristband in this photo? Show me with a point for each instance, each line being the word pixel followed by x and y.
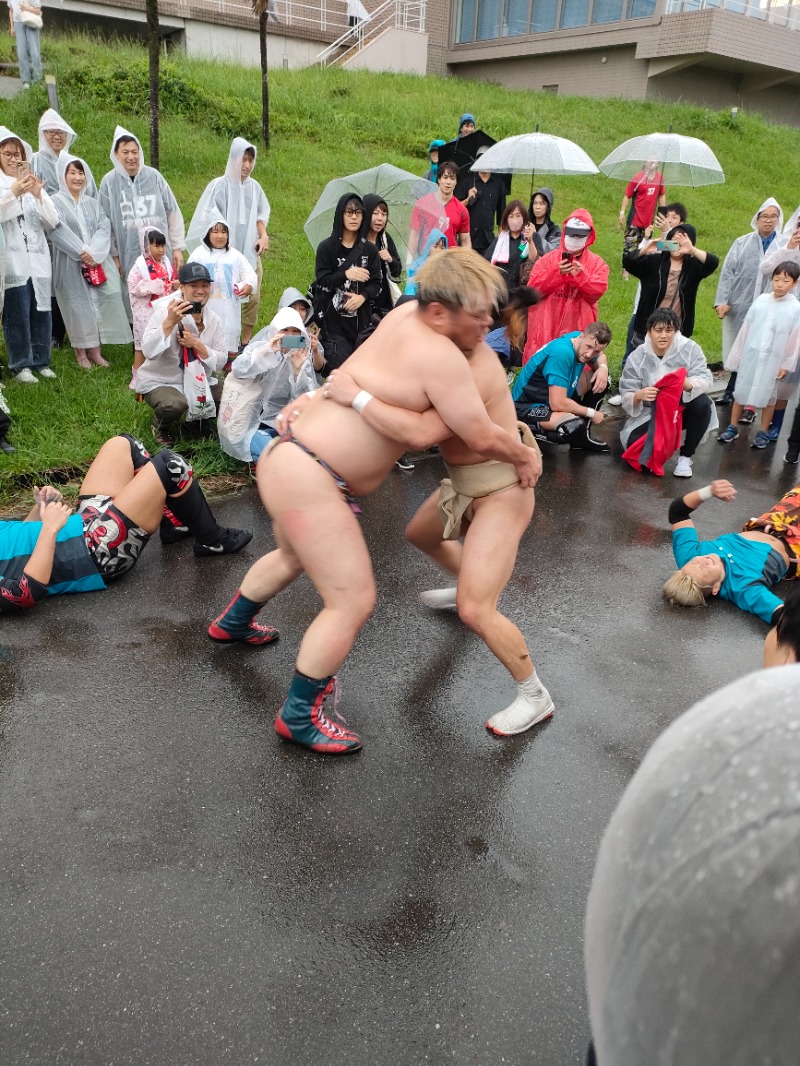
pixel 590 412
pixel 705 493
pixel 361 400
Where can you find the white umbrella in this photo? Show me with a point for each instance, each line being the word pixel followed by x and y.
pixel 528 153
pixel 681 160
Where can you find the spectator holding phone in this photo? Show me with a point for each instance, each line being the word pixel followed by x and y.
pixel 26 214
pixel 571 281
pixel 180 322
pixel 279 361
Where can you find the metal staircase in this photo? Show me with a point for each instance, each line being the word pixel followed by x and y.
pixel 392 14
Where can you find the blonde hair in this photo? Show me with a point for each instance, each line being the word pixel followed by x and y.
pixel 684 591
pixel 460 278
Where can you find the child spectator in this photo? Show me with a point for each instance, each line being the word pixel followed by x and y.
pixel 765 351
pixel 233 280
pixel 150 278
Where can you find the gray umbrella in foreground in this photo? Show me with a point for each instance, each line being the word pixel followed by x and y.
pixel 681 160
pixel 693 921
pixel 529 153
pixel 400 189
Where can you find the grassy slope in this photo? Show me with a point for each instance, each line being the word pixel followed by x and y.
pixel 329 123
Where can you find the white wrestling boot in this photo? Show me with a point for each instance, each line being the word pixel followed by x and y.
pixel 532 705
pixel 438 599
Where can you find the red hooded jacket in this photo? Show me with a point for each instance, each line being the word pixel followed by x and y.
pixel 568 303
pixel 664 431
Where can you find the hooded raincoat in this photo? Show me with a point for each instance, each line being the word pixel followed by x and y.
pixel 433 238
pixel 433 170
pixel 780 252
pixel 644 368
pixel 692 944
pixel 229 270
pixel 741 280
pixel 25 221
pixel 393 269
pixel 130 203
pixel 147 281
pixel 44 161
pixel 768 341
pixel 264 361
pixel 92 313
pixel 341 327
pixel 240 204
pixel 568 302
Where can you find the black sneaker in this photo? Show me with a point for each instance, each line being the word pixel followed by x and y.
pixel 404 463
pixel 172 534
pixel 161 435
pixel 792 455
pixel 7 447
pixel 232 540
pixel 725 400
pixel 747 417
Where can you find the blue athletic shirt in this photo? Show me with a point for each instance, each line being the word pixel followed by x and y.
pixel 73 567
pixel 555 364
pixel 751 568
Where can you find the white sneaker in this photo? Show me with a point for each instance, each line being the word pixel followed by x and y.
pixel 683 467
pixel 614 401
pixel 46 372
pixel 521 715
pixel 438 599
pixel 26 377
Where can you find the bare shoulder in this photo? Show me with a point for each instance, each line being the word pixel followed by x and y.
pixel 487 372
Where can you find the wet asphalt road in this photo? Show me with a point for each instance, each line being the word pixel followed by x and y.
pixel 180 887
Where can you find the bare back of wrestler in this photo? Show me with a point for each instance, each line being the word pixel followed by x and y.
pixel 495 524
pixel 419 358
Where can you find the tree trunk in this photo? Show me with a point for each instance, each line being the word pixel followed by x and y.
pixel 154 54
pixel 262 33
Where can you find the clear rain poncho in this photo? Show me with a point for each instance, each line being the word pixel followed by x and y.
pixel 692 943
pixel 25 222
pixel 93 314
pixel 768 341
pixel 228 269
pixel 44 161
pixel 264 364
pixel 145 200
pixel 242 204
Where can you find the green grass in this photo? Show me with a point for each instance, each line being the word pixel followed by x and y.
pixel 326 123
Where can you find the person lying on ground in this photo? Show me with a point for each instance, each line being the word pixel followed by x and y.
pixel 121 504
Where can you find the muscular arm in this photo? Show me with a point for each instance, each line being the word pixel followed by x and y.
pixel 681 508
pixel 559 401
pixel 414 429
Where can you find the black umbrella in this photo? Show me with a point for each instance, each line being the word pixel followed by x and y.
pixel 463 151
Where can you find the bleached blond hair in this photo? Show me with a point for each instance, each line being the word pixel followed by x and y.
pixel 684 591
pixel 459 278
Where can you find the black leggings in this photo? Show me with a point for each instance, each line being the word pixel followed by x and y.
pixel 696 417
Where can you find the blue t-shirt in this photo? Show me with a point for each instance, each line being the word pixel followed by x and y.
pixel 73 567
pixel 555 364
pixel 751 568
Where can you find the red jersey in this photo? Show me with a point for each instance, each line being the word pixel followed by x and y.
pixel 430 213
pixel 645 193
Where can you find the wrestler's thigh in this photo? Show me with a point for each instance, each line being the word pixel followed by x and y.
pixel 491 543
pixel 315 523
pixel 426 525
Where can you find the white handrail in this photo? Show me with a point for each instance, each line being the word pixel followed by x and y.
pixel 402 14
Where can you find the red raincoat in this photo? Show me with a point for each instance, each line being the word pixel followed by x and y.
pixel 568 303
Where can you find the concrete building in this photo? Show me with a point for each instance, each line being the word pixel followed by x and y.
pixel 718 53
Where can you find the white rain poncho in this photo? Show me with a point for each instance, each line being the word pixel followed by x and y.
pixel 25 221
pixel 228 268
pixel 145 200
pixel 644 368
pixel 692 943
pixel 264 362
pixel 768 341
pixel 242 204
pixel 44 161
pixel 92 313
pixel 741 280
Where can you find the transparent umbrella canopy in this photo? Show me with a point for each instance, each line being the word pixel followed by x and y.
pixel 528 153
pixel 681 160
pixel 398 188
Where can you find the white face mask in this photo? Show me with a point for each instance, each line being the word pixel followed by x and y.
pixel 575 244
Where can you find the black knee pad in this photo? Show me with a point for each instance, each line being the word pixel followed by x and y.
pixel 139 454
pixel 173 470
pixel 571 431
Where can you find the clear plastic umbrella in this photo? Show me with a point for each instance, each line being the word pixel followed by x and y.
pixel 528 153
pixel 681 160
pixel 398 188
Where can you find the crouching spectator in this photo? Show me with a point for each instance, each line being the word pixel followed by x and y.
pixel 559 389
pixel 121 504
pixel 182 330
pixel 665 376
pixel 292 297
pixel 275 368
